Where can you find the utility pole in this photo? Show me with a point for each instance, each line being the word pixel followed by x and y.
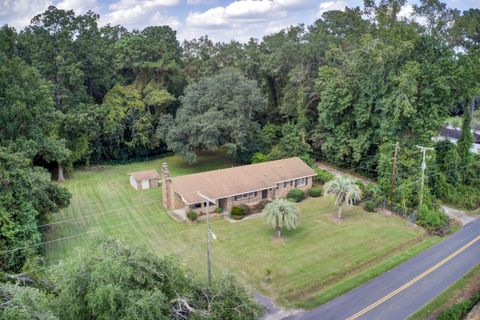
pixel 209 259
pixel 424 166
pixel 394 170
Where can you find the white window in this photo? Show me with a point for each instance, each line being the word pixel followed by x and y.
pixel 245 196
pixel 301 182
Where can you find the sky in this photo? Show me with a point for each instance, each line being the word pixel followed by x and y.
pixel 221 20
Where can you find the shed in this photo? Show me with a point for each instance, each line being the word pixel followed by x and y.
pixel 142 180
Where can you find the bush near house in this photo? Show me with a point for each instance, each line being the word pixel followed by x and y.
pixel 192 216
pixel 237 212
pixel 296 195
pixel 370 206
pixel 322 176
pixel 314 192
pixel 433 220
pixel 218 210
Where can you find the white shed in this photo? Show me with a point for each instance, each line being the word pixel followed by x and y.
pixel 142 180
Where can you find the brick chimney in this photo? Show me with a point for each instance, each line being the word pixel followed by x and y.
pixel 167 201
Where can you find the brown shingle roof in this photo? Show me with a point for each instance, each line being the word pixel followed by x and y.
pixel 145 175
pixel 228 182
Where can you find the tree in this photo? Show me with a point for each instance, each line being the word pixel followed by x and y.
pixel 27 197
pixel 345 190
pixel 24 303
pixel 112 280
pixel 465 142
pixel 282 213
pixel 218 111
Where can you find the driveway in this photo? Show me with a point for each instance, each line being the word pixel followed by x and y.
pixel 400 292
pixel 458 215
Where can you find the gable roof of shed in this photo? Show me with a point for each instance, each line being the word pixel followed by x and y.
pixel 145 175
pixel 223 183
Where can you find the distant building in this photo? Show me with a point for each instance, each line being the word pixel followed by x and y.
pixel 233 186
pixel 453 134
pixel 142 180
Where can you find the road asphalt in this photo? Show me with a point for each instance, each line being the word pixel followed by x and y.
pixel 398 293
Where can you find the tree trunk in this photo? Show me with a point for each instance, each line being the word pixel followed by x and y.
pixel 60 173
pixel 339 212
pixel 278 232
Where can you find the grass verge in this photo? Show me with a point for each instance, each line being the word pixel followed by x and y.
pixel 350 283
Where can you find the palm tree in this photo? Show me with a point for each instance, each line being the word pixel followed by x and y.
pixel 345 190
pixel 282 213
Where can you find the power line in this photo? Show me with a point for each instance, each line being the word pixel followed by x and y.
pixel 96 214
pixel 73 236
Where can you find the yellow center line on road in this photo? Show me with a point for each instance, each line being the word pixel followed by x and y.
pixel 411 282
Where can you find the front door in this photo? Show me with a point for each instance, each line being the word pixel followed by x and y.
pixel 264 194
pixel 222 203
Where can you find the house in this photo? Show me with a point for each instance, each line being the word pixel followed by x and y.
pixel 453 135
pixel 233 186
pixel 142 180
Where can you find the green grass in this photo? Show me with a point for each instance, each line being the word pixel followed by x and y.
pixel 460 290
pixel 312 264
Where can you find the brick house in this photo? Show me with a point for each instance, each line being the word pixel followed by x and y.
pixel 229 187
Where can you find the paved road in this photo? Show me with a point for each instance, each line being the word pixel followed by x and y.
pixel 400 292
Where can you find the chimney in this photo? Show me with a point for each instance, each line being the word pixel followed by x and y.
pixel 166 186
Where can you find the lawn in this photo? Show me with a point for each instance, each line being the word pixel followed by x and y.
pixel 314 263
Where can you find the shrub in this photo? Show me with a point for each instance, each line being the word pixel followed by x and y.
pixel 192 216
pixel 246 209
pixel 315 192
pixel 463 196
pixel 259 157
pixel 370 206
pixel 260 205
pixel 460 310
pixel 218 210
pixel 433 220
pixel 370 191
pixel 322 176
pixel 296 195
pixel 237 212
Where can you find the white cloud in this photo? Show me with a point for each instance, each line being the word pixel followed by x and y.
pixel 137 14
pixel 18 13
pixel 78 6
pixel 146 4
pixel 244 11
pixel 405 12
pixel 331 5
pixel 139 17
pixel 200 2
pixel 243 19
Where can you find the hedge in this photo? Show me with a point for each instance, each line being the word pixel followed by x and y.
pixel 315 192
pixel 296 195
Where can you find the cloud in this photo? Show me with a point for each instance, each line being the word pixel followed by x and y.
pixel 200 2
pixel 244 11
pixel 18 13
pixel 331 5
pixel 78 6
pixel 137 14
pixel 146 4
